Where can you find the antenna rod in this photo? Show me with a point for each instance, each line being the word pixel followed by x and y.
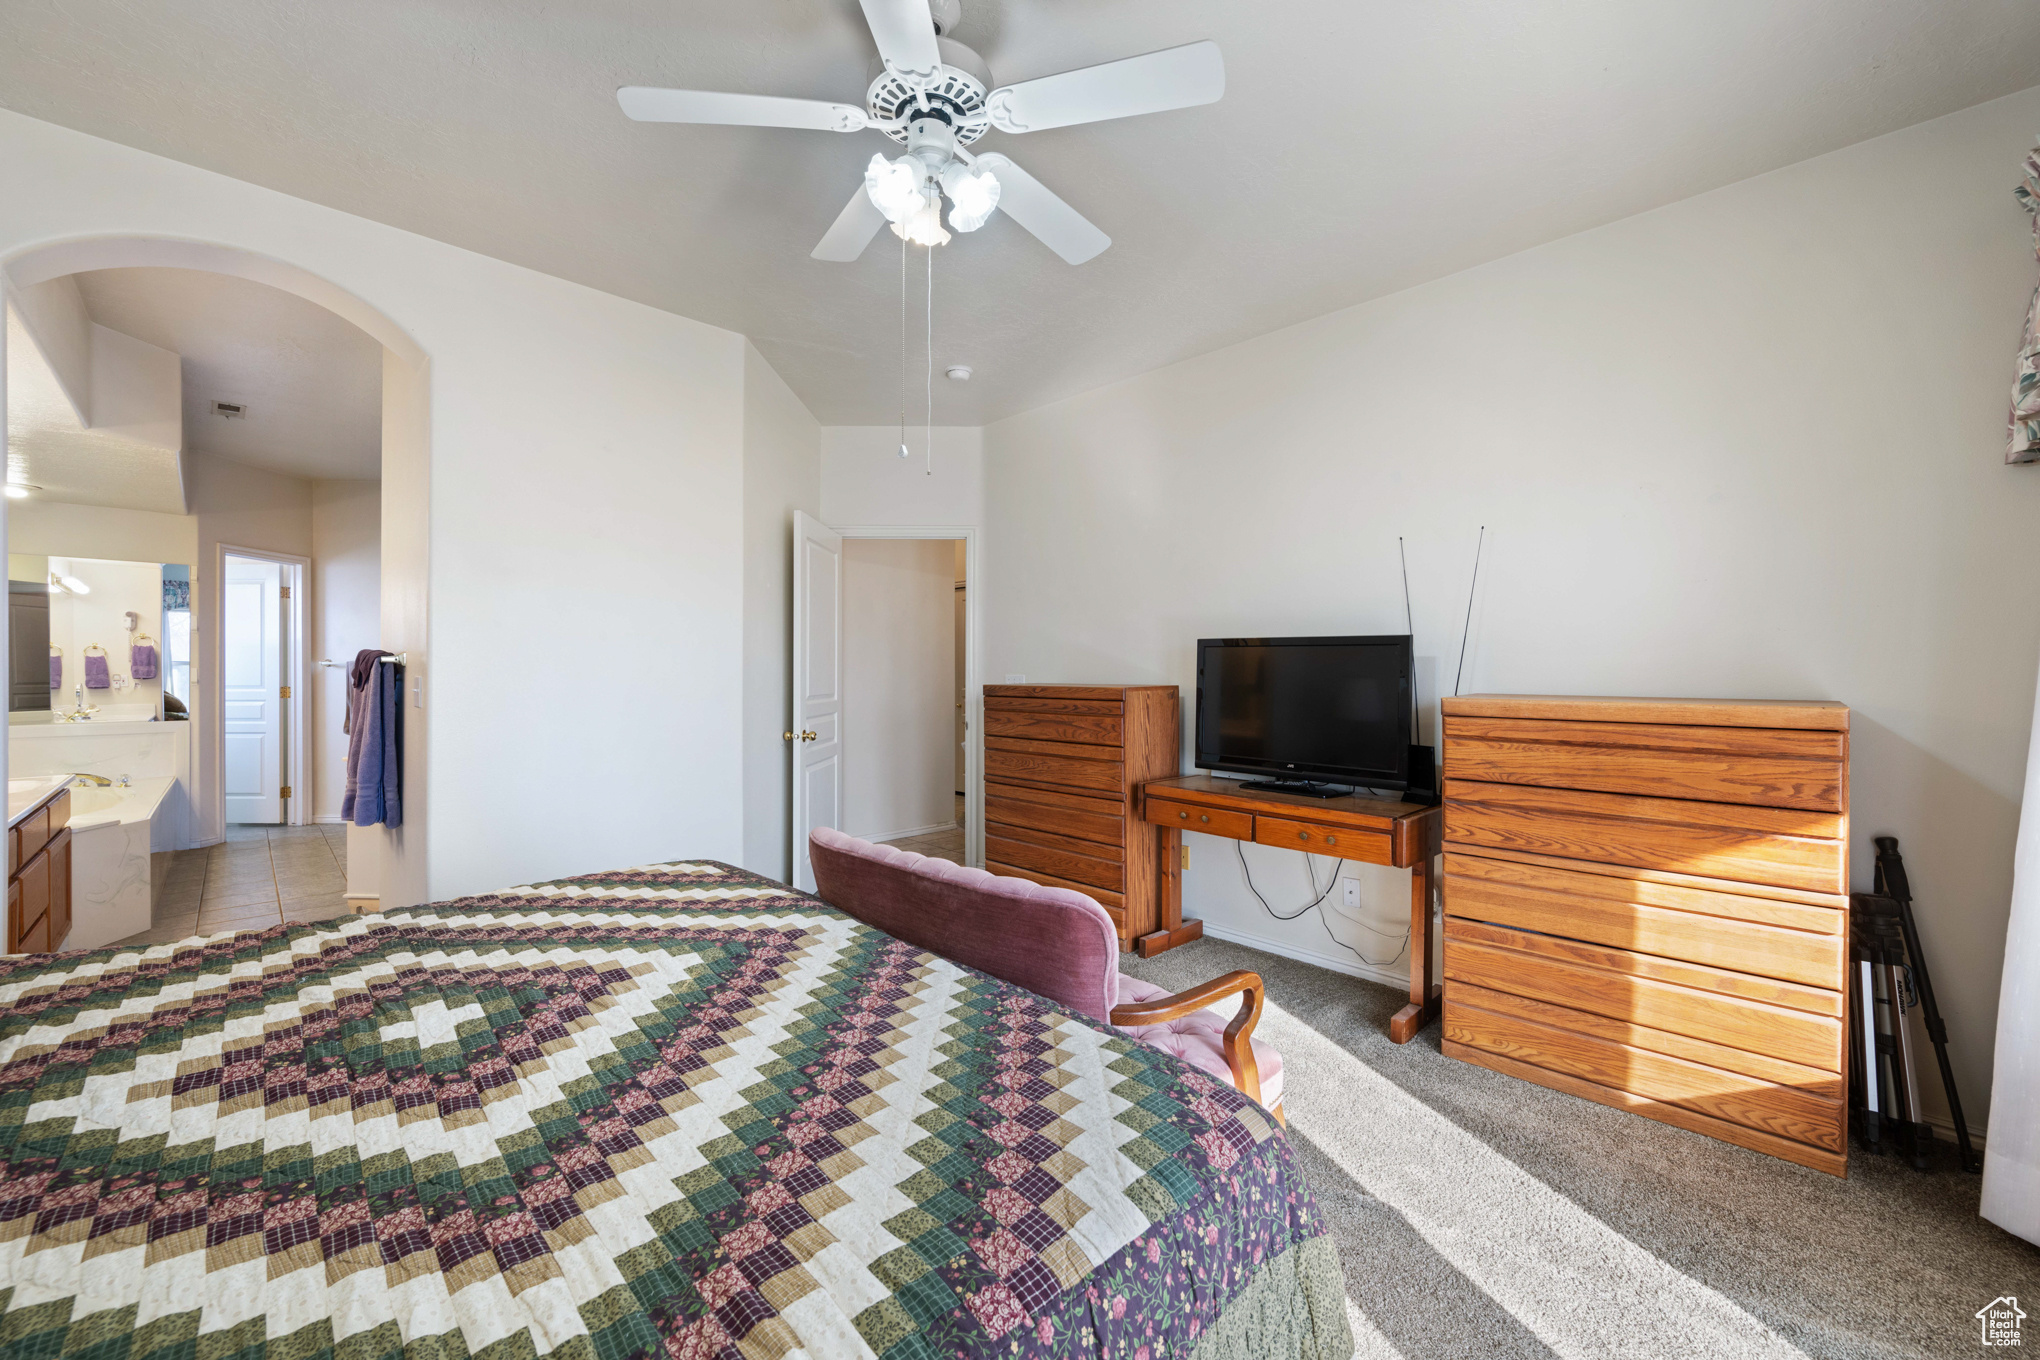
pixel 1465 632
pixel 1409 622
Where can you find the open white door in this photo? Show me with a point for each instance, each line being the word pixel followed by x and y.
pixel 816 727
pixel 251 690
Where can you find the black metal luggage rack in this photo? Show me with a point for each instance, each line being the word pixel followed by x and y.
pixel 1887 978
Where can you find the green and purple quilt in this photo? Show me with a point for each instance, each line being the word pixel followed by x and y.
pixel 674 1111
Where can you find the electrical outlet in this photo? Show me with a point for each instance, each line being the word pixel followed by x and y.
pixel 1350 888
pixel 1016 679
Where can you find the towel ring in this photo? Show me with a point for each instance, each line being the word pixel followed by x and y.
pixel 144 638
pixel 95 647
pixel 56 651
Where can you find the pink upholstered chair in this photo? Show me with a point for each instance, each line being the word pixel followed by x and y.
pixel 1052 941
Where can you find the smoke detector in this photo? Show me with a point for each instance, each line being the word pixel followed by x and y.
pixel 958 372
pixel 230 410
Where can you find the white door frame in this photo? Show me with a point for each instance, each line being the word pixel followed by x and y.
pixel 974 750
pixel 297 575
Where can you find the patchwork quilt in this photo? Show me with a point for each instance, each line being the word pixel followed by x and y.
pixel 672 1111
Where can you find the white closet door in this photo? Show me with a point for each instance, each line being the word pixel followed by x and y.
pixel 251 690
pixel 817 715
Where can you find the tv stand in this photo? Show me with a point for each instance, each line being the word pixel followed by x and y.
pixel 1297 787
pixel 1372 829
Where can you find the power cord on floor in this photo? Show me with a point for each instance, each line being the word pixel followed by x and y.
pixel 1313 905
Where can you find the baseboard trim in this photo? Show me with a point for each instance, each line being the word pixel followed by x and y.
pixel 1944 1129
pixel 884 836
pixel 1387 977
pixel 330 819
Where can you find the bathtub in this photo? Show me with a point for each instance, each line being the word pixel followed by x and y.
pixel 112 896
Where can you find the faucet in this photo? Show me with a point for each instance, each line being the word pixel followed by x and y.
pixel 99 779
pixel 81 713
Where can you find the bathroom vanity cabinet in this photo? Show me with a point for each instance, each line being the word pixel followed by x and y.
pixel 39 869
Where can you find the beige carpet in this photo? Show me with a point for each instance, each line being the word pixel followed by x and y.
pixel 1478 1215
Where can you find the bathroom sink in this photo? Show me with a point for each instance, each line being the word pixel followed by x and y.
pixel 94 799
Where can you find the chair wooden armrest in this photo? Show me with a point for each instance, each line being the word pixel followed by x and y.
pixel 1239 1054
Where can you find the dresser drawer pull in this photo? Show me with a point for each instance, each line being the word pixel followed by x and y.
pixel 1202 816
pixel 1330 839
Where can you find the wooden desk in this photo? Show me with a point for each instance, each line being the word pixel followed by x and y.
pixel 1372 830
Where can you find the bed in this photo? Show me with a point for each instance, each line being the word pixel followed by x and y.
pixel 677 1110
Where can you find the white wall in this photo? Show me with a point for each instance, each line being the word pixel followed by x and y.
pixel 782 474
pixel 346 607
pixel 236 506
pixel 1750 444
pixel 899 683
pixel 866 482
pixel 564 424
pixel 50 529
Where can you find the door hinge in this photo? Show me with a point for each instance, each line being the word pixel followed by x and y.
pixel 283 693
pixel 286 791
pixel 286 592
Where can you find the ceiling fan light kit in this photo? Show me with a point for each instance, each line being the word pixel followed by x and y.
pixel 936 96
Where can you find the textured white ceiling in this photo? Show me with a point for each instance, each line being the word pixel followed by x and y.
pixel 49 449
pixel 1363 146
pixel 311 382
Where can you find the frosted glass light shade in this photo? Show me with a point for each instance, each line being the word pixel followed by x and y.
pixel 973 195
pixel 894 186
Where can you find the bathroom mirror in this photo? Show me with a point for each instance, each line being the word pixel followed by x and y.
pixel 176 642
pixel 92 634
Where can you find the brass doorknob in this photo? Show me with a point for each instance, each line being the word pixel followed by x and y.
pixel 804 736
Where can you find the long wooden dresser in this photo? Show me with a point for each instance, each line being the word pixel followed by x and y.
pixel 1646 904
pixel 1063 764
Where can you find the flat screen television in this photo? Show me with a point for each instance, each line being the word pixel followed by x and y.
pixel 1308 710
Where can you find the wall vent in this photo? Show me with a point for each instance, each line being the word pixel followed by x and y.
pixel 230 410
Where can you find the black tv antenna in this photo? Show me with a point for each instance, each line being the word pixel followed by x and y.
pixel 1465 632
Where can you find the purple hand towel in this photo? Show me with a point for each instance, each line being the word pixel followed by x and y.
pixel 142 661
pixel 56 670
pixel 95 672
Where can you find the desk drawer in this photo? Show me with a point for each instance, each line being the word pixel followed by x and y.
pixel 1697 925
pixel 1097 729
pixel 1541 968
pixel 1192 817
pixel 1373 847
pixel 1065 814
pixel 1780 847
pixel 1103 776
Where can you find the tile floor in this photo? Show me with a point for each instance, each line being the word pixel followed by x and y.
pixel 259 876
pixel 945 844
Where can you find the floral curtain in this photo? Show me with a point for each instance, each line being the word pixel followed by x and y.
pixel 2025 434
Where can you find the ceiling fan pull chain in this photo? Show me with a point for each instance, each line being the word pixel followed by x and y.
pixel 903 348
pixel 931 362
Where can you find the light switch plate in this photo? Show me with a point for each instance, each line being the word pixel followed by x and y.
pixel 1016 679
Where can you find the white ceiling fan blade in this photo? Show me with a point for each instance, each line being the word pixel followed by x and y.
pixel 1034 206
pixel 905 33
pixel 853 229
pixel 649 105
pixel 1175 78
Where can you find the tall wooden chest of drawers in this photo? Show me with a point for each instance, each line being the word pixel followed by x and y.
pixel 1062 766
pixel 1646 904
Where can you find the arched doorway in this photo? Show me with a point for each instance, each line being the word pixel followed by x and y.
pixel 399 874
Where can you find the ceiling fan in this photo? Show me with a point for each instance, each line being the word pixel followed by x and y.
pixel 936 96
